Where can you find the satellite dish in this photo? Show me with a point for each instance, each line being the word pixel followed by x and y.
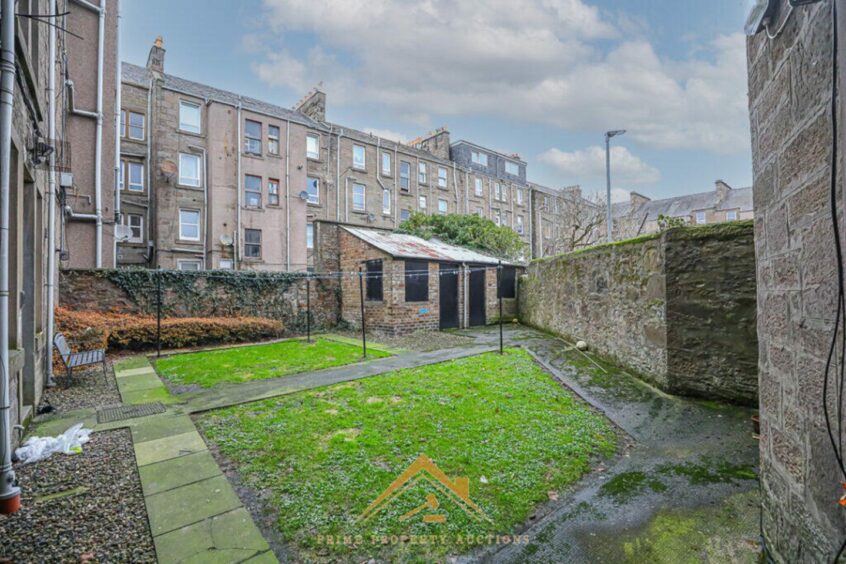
pixel 371 217
pixel 123 233
pixel 304 195
pixel 226 240
pixel 169 169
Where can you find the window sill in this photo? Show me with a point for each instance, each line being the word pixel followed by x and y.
pixel 252 208
pixel 314 204
pixel 313 159
pixel 191 133
pixel 188 241
pixel 362 212
pixel 357 169
pixel 189 187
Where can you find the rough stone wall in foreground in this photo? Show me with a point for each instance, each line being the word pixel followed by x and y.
pixel 677 309
pixel 789 97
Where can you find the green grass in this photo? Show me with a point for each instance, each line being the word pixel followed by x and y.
pixel 258 362
pixel 320 457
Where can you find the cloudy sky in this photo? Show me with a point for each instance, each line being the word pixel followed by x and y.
pixel 543 78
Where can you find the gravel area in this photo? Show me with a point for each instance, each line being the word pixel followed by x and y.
pixel 79 508
pixel 89 388
pixel 418 341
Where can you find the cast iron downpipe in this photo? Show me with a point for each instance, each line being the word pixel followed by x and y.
pixel 10 493
pixel 51 196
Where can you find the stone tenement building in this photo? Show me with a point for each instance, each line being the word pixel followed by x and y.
pixel 640 215
pixel 212 179
pixel 790 86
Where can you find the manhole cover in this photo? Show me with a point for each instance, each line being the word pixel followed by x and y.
pixel 111 414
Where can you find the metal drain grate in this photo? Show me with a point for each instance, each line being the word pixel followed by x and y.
pixel 112 414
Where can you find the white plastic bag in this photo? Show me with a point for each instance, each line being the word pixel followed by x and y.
pixel 40 448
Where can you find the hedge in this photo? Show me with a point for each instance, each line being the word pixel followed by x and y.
pixel 115 331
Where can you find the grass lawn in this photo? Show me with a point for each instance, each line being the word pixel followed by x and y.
pixel 319 458
pixel 258 362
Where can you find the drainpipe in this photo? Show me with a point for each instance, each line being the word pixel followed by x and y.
pixel 117 132
pixel 237 242
pixel 205 202
pixel 338 177
pixel 287 196
pixel 397 215
pixel 51 194
pixel 148 171
pixel 10 493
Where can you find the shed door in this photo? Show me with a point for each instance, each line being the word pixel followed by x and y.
pixel 449 296
pixel 477 295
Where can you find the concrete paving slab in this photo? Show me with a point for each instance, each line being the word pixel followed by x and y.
pixel 263 558
pixel 177 472
pixel 230 537
pixel 190 504
pixel 131 362
pixel 159 426
pixel 143 381
pixel 150 452
pixel 124 373
pixel 146 396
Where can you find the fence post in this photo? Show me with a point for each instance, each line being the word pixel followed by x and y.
pixel 363 328
pixel 308 308
pixel 499 295
pixel 159 312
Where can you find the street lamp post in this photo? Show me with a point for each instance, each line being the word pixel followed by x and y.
pixel 608 136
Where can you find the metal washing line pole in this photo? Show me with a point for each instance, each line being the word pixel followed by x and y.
pixel 609 219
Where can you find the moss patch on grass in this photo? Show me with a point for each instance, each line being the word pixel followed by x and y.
pixel 320 457
pixel 259 362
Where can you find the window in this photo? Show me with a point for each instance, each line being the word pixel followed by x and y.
pixel 731 216
pixel 497 191
pixel 421 173
pixel 480 212
pixel 512 168
pixel 700 217
pixel 507 282
pixel 252 137
pixel 312 146
pixel 359 157
pixel 416 281
pixel 189 116
pixel 405 214
pixel 313 189
pixel 386 164
pixel 442 207
pixel 520 224
pixel 422 203
pixel 504 193
pixel 135 173
pixel 479 158
pixel 135 222
pixel 442 177
pixel 132 125
pixel 225 264
pixel 309 235
pixel 273 139
pixel 272 192
pixel 386 202
pixel 546 202
pixel 189 169
pixel 405 175
pixel 358 197
pixel 477 187
pixel 189 225
pixel 374 280
pixel 189 264
pixel 519 196
pixel 497 218
pixel 252 191
pixel 252 243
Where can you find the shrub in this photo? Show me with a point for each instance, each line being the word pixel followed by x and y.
pixel 94 330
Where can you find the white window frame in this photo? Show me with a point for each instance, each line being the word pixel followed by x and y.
pixel 182 262
pixel 731 215
pixel 519 224
pixel 190 181
pixel 479 158
pixel 248 138
pixel 126 220
pixel 315 154
pixel 519 196
pixel 260 191
pixel 309 235
pixel 422 173
pixel 405 177
pixel 497 217
pixel 443 206
pixel 700 218
pixel 188 127
pixel 271 139
pixel 442 178
pixel 423 202
pixel 478 189
pixel 260 244
pixel 126 129
pixel 363 190
pixel 480 211
pixel 386 202
pixel 497 191
pixel 182 224
pixel 316 199
pixel 387 160
pixel 128 184
pixel 270 193
pixel 406 213
pixel 516 166
pixel 226 264
pixel 355 163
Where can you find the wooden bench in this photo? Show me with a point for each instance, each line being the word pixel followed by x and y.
pixel 73 360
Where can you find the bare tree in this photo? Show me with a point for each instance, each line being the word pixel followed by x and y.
pixel 581 221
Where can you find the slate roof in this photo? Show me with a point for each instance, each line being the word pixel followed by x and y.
pixel 737 198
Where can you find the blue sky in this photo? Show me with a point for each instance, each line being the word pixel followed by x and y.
pixel 543 78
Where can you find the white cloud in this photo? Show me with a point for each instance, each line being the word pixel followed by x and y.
pixel 559 62
pixel 589 164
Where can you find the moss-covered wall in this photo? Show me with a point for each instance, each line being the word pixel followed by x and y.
pixel 677 308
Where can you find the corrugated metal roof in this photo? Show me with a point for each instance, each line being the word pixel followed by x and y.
pixel 401 245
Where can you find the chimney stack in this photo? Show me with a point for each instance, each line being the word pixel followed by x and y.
pixel 435 142
pixel 722 190
pixel 313 104
pixel 155 60
pixel 637 200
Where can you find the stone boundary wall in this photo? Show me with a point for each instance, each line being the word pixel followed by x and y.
pixel 202 294
pixel 677 309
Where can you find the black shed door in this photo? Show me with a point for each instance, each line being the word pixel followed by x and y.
pixel 449 296
pixel 477 295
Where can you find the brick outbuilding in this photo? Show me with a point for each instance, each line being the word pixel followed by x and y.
pixel 410 283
